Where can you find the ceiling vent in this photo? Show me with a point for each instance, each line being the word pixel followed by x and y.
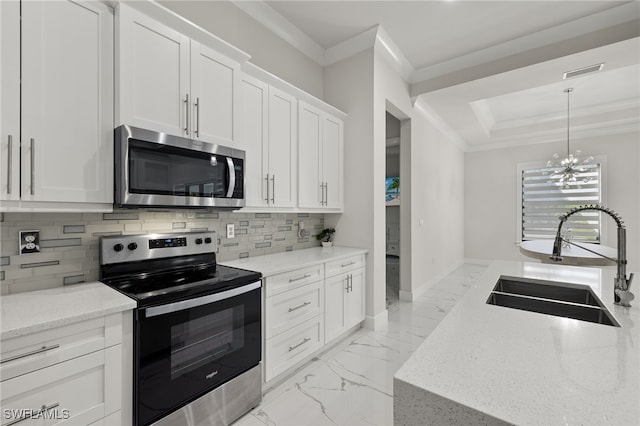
pixel 582 71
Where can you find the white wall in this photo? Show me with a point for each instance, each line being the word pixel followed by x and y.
pixel 491 185
pixel 267 50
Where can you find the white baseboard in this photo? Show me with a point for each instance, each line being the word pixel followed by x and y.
pixel 378 322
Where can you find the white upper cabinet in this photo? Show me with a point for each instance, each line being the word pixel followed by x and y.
pixel 66 106
pixel 320 159
pixel 153 74
pixel 255 140
pixel 269 138
pixel 282 150
pixel 173 84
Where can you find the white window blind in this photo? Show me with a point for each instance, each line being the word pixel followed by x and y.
pixel 544 200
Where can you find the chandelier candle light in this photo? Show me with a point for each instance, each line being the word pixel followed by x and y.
pixel 568 169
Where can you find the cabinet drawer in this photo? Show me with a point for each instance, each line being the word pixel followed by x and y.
pixel 287 349
pixel 338 266
pixel 287 309
pixel 279 283
pixel 24 354
pixel 72 390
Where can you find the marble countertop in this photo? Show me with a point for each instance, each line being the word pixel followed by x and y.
pixel 272 264
pixel 529 368
pixel 29 312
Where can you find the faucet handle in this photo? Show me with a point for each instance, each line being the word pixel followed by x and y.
pixel 624 296
pixel 629 281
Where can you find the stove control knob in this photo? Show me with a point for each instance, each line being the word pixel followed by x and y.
pixel 207 240
pixel 132 246
pixel 118 247
pixel 198 240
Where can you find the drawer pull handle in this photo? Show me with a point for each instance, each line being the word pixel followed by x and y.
pixel 299 344
pixel 299 278
pixel 33 413
pixel 298 307
pixel 34 352
pixel 349 264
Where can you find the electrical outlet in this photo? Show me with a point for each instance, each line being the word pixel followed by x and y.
pixel 231 232
pixel 29 242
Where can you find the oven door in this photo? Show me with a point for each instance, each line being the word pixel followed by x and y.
pixel 162 170
pixel 186 348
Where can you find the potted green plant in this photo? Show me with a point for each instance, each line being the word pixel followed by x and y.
pixel 326 237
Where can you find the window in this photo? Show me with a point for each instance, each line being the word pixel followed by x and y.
pixel 544 200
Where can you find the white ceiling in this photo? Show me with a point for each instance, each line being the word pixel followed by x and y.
pixel 512 105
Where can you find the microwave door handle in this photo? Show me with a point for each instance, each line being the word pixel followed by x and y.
pixel 232 177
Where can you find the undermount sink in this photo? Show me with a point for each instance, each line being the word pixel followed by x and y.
pixel 551 298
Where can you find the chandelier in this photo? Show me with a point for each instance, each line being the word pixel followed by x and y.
pixel 568 169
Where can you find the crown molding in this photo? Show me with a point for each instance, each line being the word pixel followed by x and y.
pixel 278 24
pixel 617 127
pixel 422 106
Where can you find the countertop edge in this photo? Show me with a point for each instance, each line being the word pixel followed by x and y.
pixel 117 303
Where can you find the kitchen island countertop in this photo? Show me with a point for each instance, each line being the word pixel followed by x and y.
pixel 487 364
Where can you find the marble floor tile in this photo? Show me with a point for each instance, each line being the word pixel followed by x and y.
pixel 352 382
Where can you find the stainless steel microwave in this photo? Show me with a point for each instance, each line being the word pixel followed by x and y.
pixel 155 169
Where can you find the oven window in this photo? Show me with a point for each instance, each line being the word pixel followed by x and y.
pixel 167 170
pixel 205 339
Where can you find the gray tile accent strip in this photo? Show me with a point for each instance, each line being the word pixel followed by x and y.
pixel 289 221
pixel 241 231
pixel 303 240
pixel 303 214
pixel 120 216
pixel 39 264
pixel 244 255
pixel 279 239
pixel 74 279
pixel 288 248
pixel 63 242
pixel 207 215
pixel 263 245
pixel 73 229
pixel 268 237
pixel 230 244
pixel 5 260
pixel 263 215
pixel 200 230
pixel 1 217
pixel 1 275
pixel 101 234
pixel 284 228
pixel 257 226
pixel 244 223
pixel 179 225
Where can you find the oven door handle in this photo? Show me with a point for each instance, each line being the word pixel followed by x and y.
pixel 199 301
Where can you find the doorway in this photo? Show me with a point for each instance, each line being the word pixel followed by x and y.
pixel 392 208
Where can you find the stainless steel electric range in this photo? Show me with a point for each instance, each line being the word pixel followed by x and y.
pixel 197 328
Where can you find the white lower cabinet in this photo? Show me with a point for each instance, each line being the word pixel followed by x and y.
pixel 70 375
pixel 304 311
pixel 344 288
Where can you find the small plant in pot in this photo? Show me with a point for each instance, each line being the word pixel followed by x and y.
pixel 326 237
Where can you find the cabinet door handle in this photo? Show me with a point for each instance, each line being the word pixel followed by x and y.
pixel 300 306
pixel 349 264
pixel 299 278
pixel 186 104
pixel 299 344
pixel 33 166
pixel 34 352
pixel 197 106
pixel 321 193
pixel 33 413
pixel 326 194
pixel 273 189
pixel 267 180
pixel 9 163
